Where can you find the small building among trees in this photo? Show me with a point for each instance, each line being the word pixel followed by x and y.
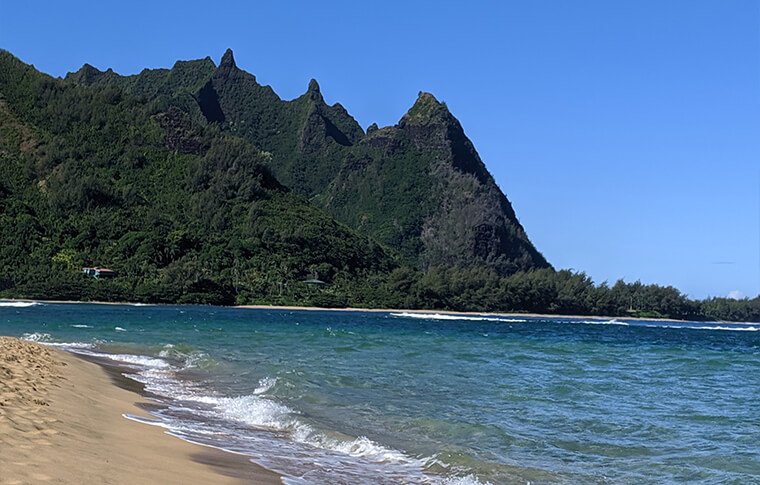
pixel 99 273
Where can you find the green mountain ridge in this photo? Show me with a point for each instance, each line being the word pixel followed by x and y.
pixel 185 181
pixel 419 187
pixel 93 175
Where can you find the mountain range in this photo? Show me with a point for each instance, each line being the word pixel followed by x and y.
pixel 418 187
pixel 196 184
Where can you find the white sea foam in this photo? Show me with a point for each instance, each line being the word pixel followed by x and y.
pixel 738 327
pixel 735 327
pixel 82 326
pixel 258 411
pixel 167 351
pixel 732 329
pixel 251 410
pixel 73 346
pixel 614 321
pixel 119 329
pixel 152 422
pixel 265 384
pixel 144 362
pixel 38 337
pixel 47 339
pixel 262 412
pixel 446 316
pixel 366 448
pixel 19 304
pixel 466 480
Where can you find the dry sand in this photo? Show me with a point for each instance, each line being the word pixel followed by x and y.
pixel 61 421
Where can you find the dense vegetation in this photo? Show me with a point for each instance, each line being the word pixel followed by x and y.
pixel 548 291
pixel 418 187
pixel 91 175
pixel 132 173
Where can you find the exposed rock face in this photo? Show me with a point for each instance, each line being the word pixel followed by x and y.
pixel 182 136
pixel 462 217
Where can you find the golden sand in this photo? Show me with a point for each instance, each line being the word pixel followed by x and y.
pixel 61 421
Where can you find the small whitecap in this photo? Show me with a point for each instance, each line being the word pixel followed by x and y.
pixel 38 337
pixel 445 316
pixel 19 304
pixel 265 384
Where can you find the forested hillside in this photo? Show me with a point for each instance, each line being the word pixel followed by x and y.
pixel 418 187
pixel 155 176
pixel 93 175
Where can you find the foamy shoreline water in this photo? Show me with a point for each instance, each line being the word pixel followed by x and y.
pixel 56 410
pixel 408 397
pixel 27 302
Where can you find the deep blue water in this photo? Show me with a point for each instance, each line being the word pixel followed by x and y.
pixel 355 397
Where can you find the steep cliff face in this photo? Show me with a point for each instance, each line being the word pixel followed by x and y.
pixel 305 136
pixel 419 186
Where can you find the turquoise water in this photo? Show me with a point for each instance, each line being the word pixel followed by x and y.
pixel 355 397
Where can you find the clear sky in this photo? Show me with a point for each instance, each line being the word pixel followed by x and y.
pixel 626 133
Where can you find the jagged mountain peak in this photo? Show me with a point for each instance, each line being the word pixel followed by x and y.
pixel 229 72
pixel 314 93
pixel 426 98
pixel 425 108
pixel 419 186
pixel 87 67
pixel 228 59
pixel 227 66
pixel 86 74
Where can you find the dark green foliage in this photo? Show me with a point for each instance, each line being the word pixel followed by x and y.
pixel 744 310
pixel 128 173
pixel 549 292
pixel 93 175
pixel 418 187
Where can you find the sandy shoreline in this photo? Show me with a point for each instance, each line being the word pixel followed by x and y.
pixel 375 310
pixel 61 421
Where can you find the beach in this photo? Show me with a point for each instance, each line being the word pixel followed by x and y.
pixel 62 421
pixel 420 311
pixel 368 398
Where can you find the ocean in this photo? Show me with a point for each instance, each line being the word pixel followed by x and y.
pixel 339 397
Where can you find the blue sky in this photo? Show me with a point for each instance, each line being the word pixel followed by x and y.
pixel 626 133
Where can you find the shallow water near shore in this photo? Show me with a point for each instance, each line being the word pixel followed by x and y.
pixel 360 397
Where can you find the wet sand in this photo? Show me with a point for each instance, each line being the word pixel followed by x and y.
pixel 61 421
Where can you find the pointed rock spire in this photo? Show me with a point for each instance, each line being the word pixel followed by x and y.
pixel 228 60
pixel 226 67
pixel 313 91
